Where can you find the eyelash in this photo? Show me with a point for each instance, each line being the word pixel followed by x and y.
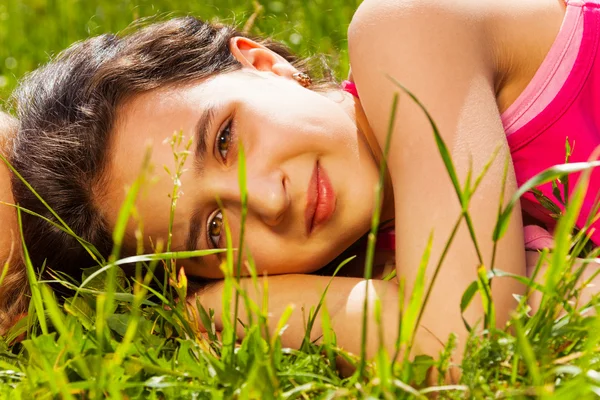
pixel 229 127
pixel 216 220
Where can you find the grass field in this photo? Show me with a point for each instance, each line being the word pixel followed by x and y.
pixel 126 339
pixel 33 30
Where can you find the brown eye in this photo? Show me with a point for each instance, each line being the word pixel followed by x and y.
pixel 224 140
pixel 215 226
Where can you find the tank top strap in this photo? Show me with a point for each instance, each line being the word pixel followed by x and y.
pixel 350 87
pixel 386 240
pixel 581 3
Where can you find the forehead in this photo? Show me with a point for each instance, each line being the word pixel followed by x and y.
pixel 144 124
pixel 146 120
pixel 155 103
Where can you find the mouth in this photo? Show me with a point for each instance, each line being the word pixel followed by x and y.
pixel 320 199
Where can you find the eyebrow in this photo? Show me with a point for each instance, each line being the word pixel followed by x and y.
pixel 201 133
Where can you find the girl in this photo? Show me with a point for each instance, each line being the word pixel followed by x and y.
pixel 483 70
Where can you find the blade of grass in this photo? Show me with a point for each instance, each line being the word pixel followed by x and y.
pixel 309 326
pixel 448 163
pixel 485 290
pixel 36 296
pixel 135 316
pixel 500 205
pixel 244 212
pixel 562 232
pixel 58 320
pixel 398 342
pixel 528 354
pixel 545 176
pixel 8 260
pixel 416 305
pixel 120 228
pixel 372 238
pixel 229 325
pixel 49 221
pixel 280 328
pixel 96 256
pixel 149 257
pixel 433 278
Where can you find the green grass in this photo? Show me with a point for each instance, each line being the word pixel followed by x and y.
pixel 131 337
pixel 33 30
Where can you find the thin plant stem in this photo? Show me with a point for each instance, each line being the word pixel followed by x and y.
pixel 244 212
pixel 372 238
pixel 433 279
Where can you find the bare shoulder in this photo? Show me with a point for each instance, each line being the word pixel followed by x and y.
pixel 387 16
pixel 507 38
pixel 433 47
pixel 371 13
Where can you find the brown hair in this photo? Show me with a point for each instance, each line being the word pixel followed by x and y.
pixel 14 287
pixel 67 110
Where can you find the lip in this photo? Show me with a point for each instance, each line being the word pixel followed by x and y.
pixel 320 199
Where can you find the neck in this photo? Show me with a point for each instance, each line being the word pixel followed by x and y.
pixel 364 128
pixel 354 108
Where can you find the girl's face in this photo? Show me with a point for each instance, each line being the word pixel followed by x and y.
pixel 310 173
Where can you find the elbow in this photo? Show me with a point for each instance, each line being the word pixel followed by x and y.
pixel 348 319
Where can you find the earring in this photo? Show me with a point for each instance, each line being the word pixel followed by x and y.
pixel 303 79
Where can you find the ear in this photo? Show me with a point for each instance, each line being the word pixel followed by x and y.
pixel 256 56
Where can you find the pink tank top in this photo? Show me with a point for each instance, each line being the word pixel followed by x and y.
pixel 562 101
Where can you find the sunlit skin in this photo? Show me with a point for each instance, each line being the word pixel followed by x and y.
pixel 284 129
pixel 466 60
pixel 9 234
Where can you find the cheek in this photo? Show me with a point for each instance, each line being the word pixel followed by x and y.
pixel 307 122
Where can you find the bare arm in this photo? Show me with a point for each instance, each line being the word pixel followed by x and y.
pixel 344 303
pixel 440 51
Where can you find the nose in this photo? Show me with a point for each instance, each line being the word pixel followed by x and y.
pixel 268 198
